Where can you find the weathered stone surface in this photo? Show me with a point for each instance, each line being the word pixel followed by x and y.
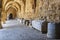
pixel 50 10
pixel 54 10
pixel 33 9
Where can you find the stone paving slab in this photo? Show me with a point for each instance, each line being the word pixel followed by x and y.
pixel 21 32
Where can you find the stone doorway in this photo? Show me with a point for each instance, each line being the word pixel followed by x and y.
pixel 11 16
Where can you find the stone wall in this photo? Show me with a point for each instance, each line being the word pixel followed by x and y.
pixel 50 10
pixel 54 10
pixel 34 9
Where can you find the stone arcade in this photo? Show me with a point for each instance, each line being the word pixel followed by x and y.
pixel 33 18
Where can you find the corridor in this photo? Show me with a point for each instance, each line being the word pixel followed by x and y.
pixel 29 19
pixel 15 30
pixel 19 31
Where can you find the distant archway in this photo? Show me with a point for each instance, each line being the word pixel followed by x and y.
pixel 11 13
pixel 10 16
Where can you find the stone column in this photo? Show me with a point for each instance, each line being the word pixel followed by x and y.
pixel 0 24
pixel 0 21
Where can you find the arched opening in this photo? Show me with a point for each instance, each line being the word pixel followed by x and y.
pixel 11 13
pixel 10 16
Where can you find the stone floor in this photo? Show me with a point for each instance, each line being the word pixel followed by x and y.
pixel 21 32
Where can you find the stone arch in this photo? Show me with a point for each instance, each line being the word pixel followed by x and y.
pixel 12 11
pixel 12 7
pixel 20 2
pixel 24 1
pixel 13 4
pixel 10 16
pixel 22 5
pixel 5 2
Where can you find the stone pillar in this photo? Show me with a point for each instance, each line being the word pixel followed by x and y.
pixel 22 20
pixel 4 16
pixel 27 22
pixel 0 24
pixel 53 30
pixel 30 23
pixel 0 21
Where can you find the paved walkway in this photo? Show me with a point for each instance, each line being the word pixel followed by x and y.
pixel 20 32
